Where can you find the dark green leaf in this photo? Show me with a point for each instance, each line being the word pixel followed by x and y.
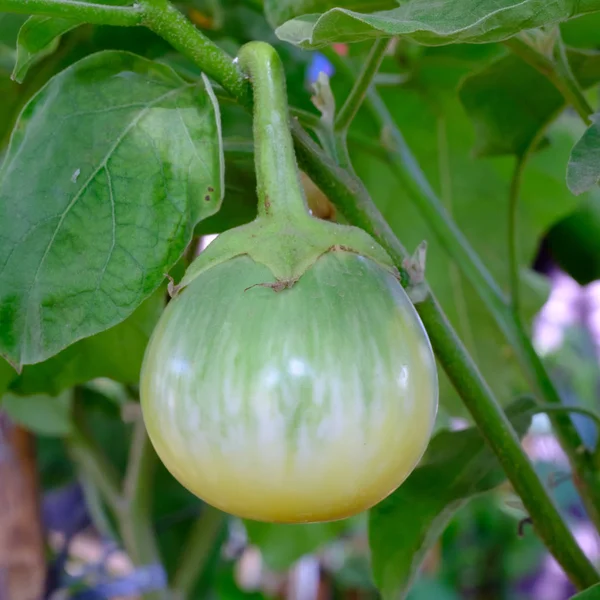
pixel 282 545
pixel 110 167
pixel 7 374
pixel 38 38
pixel 116 353
pixel 280 11
pixel 575 242
pixel 583 171
pixel 46 415
pixel 458 465
pixel 433 22
pixel 475 191
pixel 592 593
pixel 583 32
pixel 510 102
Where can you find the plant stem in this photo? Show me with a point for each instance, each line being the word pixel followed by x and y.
pixel 350 196
pixel 496 429
pixel 135 509
pixel 557 72
pixel 353 201
pixel 278 182
pixel 100 14
pixel 204 536
pixel 361 85
pixel 89 457
pixel 594 416
pixel 509 322
pixel 513 242
pixel 165 20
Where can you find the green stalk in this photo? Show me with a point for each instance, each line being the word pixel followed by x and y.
pixel 135 516
pixel 361 85
pixel 280 192
pixel 450 236
pixel 513 245
pixel 557 72
pixel 204 536
pixel 349 194
pixel 166 21
pixel 352 199
pixel 99 14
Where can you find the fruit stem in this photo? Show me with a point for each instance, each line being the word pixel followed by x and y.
pixel 280 193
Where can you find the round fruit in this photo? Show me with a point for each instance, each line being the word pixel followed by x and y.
pixel 306 404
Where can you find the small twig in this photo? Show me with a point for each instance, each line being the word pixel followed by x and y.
pixel 361 85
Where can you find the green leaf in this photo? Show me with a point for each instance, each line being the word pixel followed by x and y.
pixel 432 22
pixel 7 374
pixel 116 353
pixel 46 415
pixel 280 11
pixel 282 545
pixel 402 528
pixel 109 169
pixel 574 242
pixel 38 37
pixel 510 102
pixel 592 593
pixel 583 170
pixel 475 191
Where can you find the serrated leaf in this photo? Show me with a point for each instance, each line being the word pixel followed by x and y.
pixel 109 169
pixel 38 37
pixel 282 545
pixel 510 102
pixel 46 415
pixel 432 22
pixel 116 353
pixel 592 593
pixel 403 527
pixel 583 170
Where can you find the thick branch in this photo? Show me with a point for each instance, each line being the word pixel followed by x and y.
pixel 100 14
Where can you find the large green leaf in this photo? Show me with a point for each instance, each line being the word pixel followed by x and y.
pixel 282 545
pixel 46 415
pixel 574 242
pixel 109 169
pixel 583 172
pixel 116 353
pixel 510 102
pixel 7 374
pixel 280 11
pixel 457 466
pixel 592 593
pixel 38 38
pixel 475 191
pixel 433 22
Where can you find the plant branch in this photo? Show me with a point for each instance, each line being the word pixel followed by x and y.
pixel 135 517
pixel 361 85
pixel 90 459
pixel 351 197
pixel 513 241
pixel 557 72
pixel 594 416
pixel 166 21
pixel 498 432
pixel 201 543
pixel 100 14
pixel 353 201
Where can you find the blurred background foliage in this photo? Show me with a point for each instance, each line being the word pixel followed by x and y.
pixel 466 111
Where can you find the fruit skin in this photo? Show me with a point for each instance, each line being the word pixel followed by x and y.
pixel 302 405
